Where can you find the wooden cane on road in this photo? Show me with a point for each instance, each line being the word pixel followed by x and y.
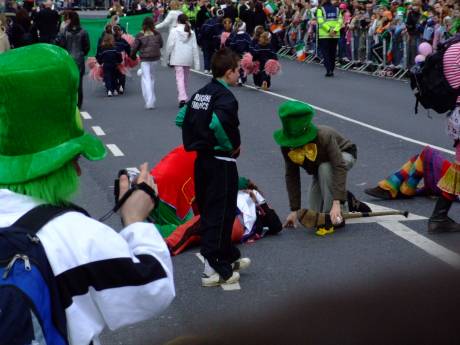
pixel 312 219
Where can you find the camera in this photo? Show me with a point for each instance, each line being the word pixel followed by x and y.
pixel 132 174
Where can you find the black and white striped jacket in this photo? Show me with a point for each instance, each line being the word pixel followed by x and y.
pixel 105 278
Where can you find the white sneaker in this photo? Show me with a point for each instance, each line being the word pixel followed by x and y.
pixel 139 72
pixel 109 94
pixel 241 264
pixel 206 71
pixel 115 93
pixel 216 280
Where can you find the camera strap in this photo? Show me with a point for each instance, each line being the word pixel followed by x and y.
pixel 137 186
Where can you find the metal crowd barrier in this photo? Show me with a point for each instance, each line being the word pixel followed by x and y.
pixel 374 63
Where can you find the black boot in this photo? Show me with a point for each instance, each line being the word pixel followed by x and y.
pixel 439 221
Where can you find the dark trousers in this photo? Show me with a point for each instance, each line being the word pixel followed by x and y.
pixel 260 77
pixel 243 77
pixel 110 72
pixel 80 89
pixel 120 79
pixel 208 50
pixel 328 48
pixel 216 189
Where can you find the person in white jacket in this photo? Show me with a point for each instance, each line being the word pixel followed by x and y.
pixel 104 278
pixel 183 53
pixel 4 42
pixel 170 21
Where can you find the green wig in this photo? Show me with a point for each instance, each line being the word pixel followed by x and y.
pixel 55 188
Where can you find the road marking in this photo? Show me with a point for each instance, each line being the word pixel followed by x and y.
pixel 449 257
pixel 346 118
pixel 115 150
pixel 379 219
pixel 98 130
pixel 85 115
pixel 225 287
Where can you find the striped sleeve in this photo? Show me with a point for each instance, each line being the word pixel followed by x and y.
pixel 451 62
pixel 105 278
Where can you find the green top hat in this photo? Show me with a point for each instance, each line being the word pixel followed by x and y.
pixel 297 128
pixel 40 126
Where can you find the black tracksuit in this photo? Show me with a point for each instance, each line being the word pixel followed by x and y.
pixel 240 43
pixel 262 54
pixel 109 58
pixel 121 45
pixel 209 38
pixel 210 127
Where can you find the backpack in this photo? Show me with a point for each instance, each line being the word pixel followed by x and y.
pixel 30 308
pixel 429 84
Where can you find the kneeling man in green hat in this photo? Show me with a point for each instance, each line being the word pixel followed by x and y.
pixel 323 153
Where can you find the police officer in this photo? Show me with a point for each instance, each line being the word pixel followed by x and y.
pixel 329 23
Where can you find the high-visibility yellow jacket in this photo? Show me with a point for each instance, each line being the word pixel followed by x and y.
pixel 329 19
pixel 191 14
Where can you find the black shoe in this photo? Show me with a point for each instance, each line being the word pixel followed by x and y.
pixel 329 74
pixel 439 222
pixel 441 225
pixel 354 205
pixel 379 193
pixel 182 103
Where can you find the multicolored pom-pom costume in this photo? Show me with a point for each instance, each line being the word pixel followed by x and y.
pixel 429 165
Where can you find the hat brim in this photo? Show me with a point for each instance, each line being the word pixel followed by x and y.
pixel 19 169
pixel 284 141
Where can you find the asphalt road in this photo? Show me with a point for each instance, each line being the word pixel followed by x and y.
pixel 296 261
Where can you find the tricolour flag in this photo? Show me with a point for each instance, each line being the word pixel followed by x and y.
pixel 300 52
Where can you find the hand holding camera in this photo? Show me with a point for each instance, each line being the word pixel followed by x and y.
pixel 140 203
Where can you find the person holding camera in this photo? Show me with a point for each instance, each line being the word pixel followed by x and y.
pixel 103 278
pixel 209 125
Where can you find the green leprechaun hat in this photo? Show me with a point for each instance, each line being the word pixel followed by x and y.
pixel 297 128
pixel 40 126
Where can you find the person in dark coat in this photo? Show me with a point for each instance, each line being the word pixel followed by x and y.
pixel 247 15
pixel 22 31
pixel 121 45
pixel 209 37
pixel 260 18
pixel 262 52
pixel 47 22
pixel 76 41
pixel 109 58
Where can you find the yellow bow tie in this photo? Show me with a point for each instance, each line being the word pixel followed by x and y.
pixel 308 151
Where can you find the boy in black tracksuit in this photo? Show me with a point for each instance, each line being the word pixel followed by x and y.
pixel 210 126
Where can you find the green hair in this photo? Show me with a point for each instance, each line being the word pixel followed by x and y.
pixel 55 188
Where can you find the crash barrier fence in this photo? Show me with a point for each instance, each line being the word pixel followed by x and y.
pixel 389 56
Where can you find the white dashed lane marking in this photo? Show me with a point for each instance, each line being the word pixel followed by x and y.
pixel 85 115
pixel 115 150
pixel 98 130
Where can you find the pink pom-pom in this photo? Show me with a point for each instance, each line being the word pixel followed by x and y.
pixel 425 49
pixel 123 69
pixel 96 73
pixel 419 58
pixel 223 38
pixel 130 63
pixel 272 67
pixel 246 63
pixel 128 38
pixel 255 67
pixel 91 62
